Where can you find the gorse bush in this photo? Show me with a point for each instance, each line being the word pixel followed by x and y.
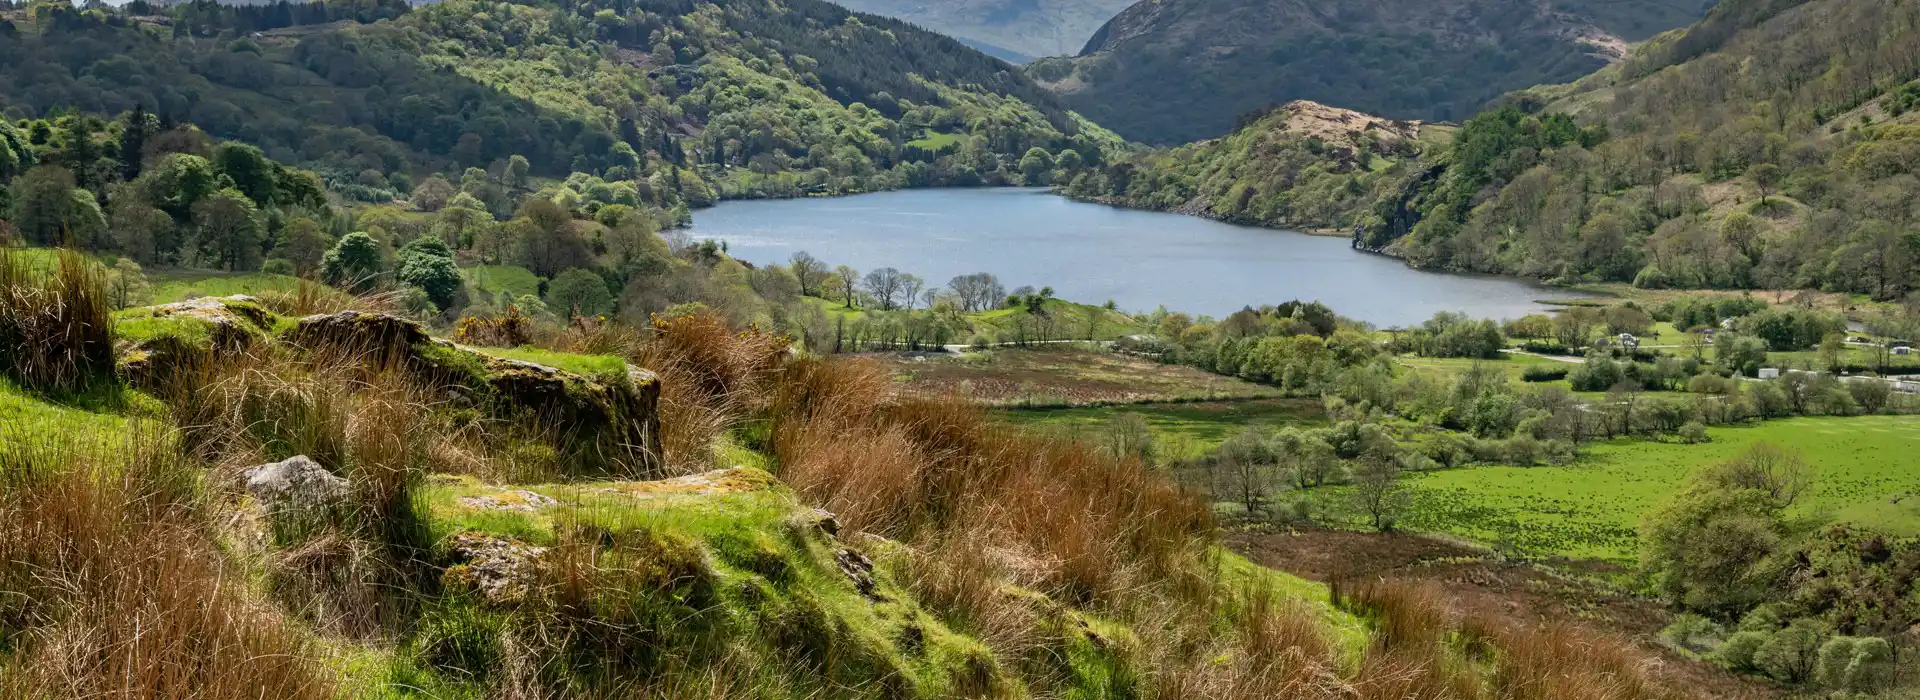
pixel 56 326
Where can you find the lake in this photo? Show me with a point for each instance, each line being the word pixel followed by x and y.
pixel 1092 253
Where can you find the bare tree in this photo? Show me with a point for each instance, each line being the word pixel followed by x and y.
pixel 910 286
pixel 977 292
pixel 1780 473
pixel 1377 488
pixel 810 272
pixel 849 280
pixel 885 284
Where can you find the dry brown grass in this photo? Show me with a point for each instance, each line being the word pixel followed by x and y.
pixel 56 328
pixel 112 587
pixel 1067 520
pixel 309 297
pixel 357 571
pixel 711 379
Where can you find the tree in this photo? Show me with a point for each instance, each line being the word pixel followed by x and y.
pixel 1740 354
pixel 1377 488
pixel 580 292
pixel 885 285
pixel 849 278
pixel 250 170
pixel 1765 177
pixel 43 204
pixel 519 171
pixel 426 263
pixel 1833 348
pixel 303 243
pixel 1704 546
pixel 1036 165
pixel 810 272
pixel 910 287
pixel 353 261
pixel 133 142
pixel 142 232
pixel 230 230
pixel 433 194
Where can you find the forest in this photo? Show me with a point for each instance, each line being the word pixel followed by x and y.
pixel 624 93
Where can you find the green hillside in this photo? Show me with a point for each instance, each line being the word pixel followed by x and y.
pixel 800 97
pixel 1170 71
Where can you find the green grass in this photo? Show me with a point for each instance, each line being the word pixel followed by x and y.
pixel 934 141
pixel 179 285
pixel 1179 429
pixel 1592 508
pixel 589 365
pixel 493 279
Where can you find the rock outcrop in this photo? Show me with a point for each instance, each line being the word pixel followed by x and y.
pixel 161 343
pixel 606 425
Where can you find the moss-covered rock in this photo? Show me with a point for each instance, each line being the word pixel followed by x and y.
pixel 161 343
pixel 668 582
pixel 603 425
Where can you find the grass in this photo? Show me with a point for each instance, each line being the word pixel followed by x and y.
pixel 179 285
pixel 1179 429
pixel 1863 474
pixel 493 279
pixel 1063 375
pixel 934 140
pixel 588 365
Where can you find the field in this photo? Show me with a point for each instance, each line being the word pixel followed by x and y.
pixel 490 280
pixel 178 285
pixel 1179 429
pixel 1064 375
pixel 1864 472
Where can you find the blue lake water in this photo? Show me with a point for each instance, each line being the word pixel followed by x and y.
pixel 1092 253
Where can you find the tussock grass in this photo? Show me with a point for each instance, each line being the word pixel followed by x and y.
pixel 56 329
pixel 360 569
pixel 113 587
pixel 712 380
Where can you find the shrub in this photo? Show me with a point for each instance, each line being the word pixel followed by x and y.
pixel 1543 373
pixel 1738 651
pixel 1692 433
pixel 1790 654
pixel 1693 633
pixel 1858 664
pixel 1545 347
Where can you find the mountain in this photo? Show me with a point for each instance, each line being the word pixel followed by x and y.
pixel 763 99
pixel 1774 144
pixel 1012 28
pixel 1171 71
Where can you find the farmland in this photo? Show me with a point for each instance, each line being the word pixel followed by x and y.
pixel 1179 430
pixel 1062 375
pixel 1864 473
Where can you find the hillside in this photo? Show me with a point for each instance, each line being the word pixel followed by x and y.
pixel 1769 146
pixel 1170 71
pixel 765 100
pixel 1028 28
pixel 1301 165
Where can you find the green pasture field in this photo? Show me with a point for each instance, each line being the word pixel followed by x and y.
pixel 1179 429
pixel 179 285
pixel 1866 472
pixel 493 279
